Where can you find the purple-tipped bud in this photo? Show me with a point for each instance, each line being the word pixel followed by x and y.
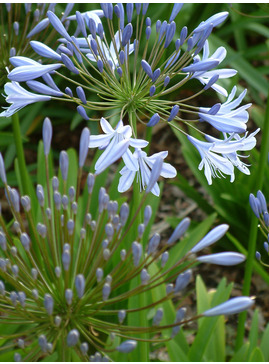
pixel 151 93
pixel 90 182
pixel 190 44
pixel 225 258
pixel 173 113
pixel 58 26
pixel 12 52
pixel 158 26
pixel 72 338
pixel 183 280
pixel 2 288
pixel 210 238
pixel 92 27
pixel 16 27
pixel 122 57
pixel 126 34
pixel 100 65
pixel 162 30
pixel 64 162
pixel 81 95
pixel 42 342
pixel 2 170
pixel 84 146
pixel 35 294
pixel 127 346
pixel 15 199
pixel 214 109
pixel 154 243
pixel 179 317
pixel 230 307
pixel 176 9
pixel 138 8
pixel 258 255
pixel 119 70
pixel 148 32
pixel 34 273
pixel 38 28
pixel 57 321
pixel 106 291
pixel 22 298
pixel 48 303
pixel 124 213
pixel 68 296
pixel 266 246
pixel 3 265
pixel 154 120
pixel 57 200
pixel 141 229
pixel 94 46
pixel 68 91
pixel 66 259
pixel 211 82
pixel 147 214
pixel 166 81
pixel 99 274
pixel 15 270
pixel 157 317
pixel 156 75
pixel 145 277
pixel 106 254
pixel 137 252
pixel 81 23
pixel 123 254
pixel 42 230
pixel 57 271
pixel 262 200
pixel 17 357
pixel 254 205
pixel 82 112
pixel 129 11
pixel 84 348
pixel 100 30
pixel 170 32
pixel 13 297
pixel 146 67
pixel 25 240
pixel 3 241
pixel 121 316
pixel 164 258
pixel 145 8
pixel 47 135
pixel 40 194
pixel 69 64
pixel 179 230
pixel 155 173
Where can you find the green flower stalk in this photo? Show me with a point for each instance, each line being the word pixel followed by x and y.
pixel 66 268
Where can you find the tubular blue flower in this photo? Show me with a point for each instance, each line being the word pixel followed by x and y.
pixel 43 89
pixel 210 238
pixel 176 9
pixel 110 139
pixel 44 50
pixel 145 164
pixel 214 164
pixel 228 119
pixel 28 73
pixel 230 307
pixel 226 258
pixel 214 20
pixel 19 98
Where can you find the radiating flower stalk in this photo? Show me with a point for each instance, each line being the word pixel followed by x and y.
pixel 21 23
pixel 67 264
pixel 259 207
pixel 126 65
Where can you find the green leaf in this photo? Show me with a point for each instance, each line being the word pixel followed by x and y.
pixel 253 334
pixel 264 343
pixel 256 356
pixel 241 354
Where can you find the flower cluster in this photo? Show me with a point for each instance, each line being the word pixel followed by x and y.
pixel 118 62
pixel 70 268
pixel 259 207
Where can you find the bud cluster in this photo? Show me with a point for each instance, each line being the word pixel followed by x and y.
pixel 69 264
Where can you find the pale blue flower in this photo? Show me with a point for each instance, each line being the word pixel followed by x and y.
pixel 145 164
pixel 19 98
pixel 228 119
pixel 214 164
pixel 234 305
pixel 205 76
pixel 28 73
pixel 110 139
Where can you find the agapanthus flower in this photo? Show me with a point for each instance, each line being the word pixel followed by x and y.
pixel 132 73
pixel 70 269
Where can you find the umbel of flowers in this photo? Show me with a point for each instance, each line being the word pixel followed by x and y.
pixel 133 66
pixel 67 266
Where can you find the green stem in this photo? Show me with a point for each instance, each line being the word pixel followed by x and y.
pixel 253 228
pixel 20 154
